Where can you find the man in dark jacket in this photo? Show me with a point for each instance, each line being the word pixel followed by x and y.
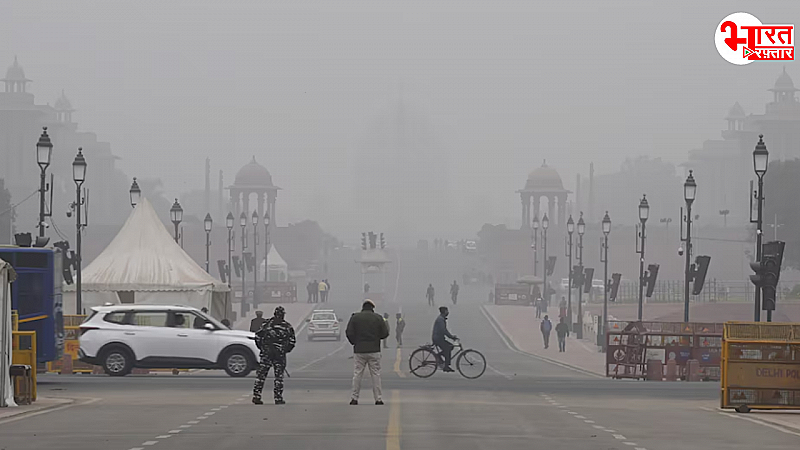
pixel 365 330
pixel 430 293
pixel 256 323
pixel 275 339
pixel 562 331
pixel 440 333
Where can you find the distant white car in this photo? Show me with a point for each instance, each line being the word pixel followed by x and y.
pixel 324 323
pixel 122 337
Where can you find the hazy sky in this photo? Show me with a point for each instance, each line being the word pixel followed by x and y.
pixel 502 85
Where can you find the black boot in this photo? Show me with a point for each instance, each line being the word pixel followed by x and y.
pixel 257 401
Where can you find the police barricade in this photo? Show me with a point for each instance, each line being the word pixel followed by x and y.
pixel 760 366
pixel 665 341
pixel 513 294
pixel 23 351
pixel 69 363
pixel 278 292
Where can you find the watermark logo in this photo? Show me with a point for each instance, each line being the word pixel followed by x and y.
pixel 741 39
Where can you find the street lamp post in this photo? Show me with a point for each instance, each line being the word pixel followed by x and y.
pixel 229 225
pixel 546 291
pixel 79 176
pixel 535 244
pixel 581 230
pixel 644 213
pixel 570 230
pixel 689 193
pixel 207 224
pixel 760 162
pixel 243 224
pixel 176 216
pixel 266 247
pixel 255 259
pixel 604 260
pixel 44 151
pixel 136 193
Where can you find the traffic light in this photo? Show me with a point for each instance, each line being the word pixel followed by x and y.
pixel 577 276
pixel 650 278
pixel 249 261
pixel 383 241
pixel 588 276
pixel 363 241
pixel 551 265
pixel 613 285
pixel 223 270
pixel 767 273
pixel 373 240
pixel 68 260
pixel 699 270
pixel 237 266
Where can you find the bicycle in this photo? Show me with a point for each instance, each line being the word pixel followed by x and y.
pixel 425 360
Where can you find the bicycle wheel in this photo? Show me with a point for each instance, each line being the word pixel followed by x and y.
pixel 423 363
pixel 471 364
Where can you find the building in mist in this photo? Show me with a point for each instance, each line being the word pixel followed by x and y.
pixel 400 178
pixel 21 122
pixel 544 183
pixel 724 166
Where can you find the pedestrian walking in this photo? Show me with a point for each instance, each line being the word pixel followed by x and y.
pixel 430 293
pixel 323 291
pixel 310 288
pixel 454 292
pixel 538 305
pixel 386 340
pixel 256 323
pixel 562 308
pixel 365 330
pixel 328 289
pixel 562 331
pixel 366 288
pixel 315 291
pixel 398 329
pixel 275 339
pixel 546 327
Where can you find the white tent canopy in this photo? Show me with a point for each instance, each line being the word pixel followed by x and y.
pixel 278 269
pixel 7 275
pixel 144 265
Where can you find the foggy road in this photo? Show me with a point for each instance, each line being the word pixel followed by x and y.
pixel 520 402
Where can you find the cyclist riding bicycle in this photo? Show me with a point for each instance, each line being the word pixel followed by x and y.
pixel 440 333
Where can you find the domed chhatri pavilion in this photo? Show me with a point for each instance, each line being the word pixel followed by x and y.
pixel 543 182
pixel 253 178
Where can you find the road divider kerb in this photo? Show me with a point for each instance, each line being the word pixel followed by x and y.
pixel 510 344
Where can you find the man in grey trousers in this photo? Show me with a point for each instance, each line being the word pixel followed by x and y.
pixel 365 331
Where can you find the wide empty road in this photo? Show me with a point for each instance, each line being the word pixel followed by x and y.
pixel 520 403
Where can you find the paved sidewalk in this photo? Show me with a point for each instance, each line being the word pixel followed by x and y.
pixel 296 313
pixel 40 405
pixel 521 327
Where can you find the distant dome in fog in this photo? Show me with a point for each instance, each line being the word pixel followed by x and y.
pixel 253 174
pixel 543 178
pixel 15 72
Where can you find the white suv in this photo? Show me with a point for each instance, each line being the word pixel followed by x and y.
pixel 122 337
pixel 324 323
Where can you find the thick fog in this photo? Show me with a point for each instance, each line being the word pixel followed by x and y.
pixel 439 109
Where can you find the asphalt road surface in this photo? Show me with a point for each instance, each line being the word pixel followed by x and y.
pixel 520 403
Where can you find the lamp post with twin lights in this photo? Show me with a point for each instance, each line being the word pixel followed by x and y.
pixel 255 259
pixel 570 230
pixel 760 163
pixel 604 260
pixel 207 224
pixel 79 176
pixel 689 192
pixel 545 289
pixel 644 213
pixel 229 225
pixel 176 216
pixel 243 224
pixel 581 230
pixel 44 152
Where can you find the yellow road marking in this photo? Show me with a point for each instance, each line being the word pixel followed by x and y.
pixel 397 364
pixel 393 429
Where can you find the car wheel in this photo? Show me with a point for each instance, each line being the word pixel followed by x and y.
pixel 237 362
pixel 117 361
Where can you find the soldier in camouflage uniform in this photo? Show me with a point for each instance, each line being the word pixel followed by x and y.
pixel 275 339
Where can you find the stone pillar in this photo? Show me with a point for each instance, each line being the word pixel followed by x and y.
pixel 526 210
pixel 562 209
pixel 234 205
pixel 551 208
pixel 536 205
pixel 271 205
pixel 260 207
pixel 246 204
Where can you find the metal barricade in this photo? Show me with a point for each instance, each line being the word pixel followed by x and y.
pixel 23 352
pixel 760 366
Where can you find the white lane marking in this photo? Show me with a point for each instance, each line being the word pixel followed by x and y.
pixel 571 412
pixel 216 409
pixel 193 422
pixel 562 406
pixel 210 413
pixel 45 411
pixel 149 442
pixel 202 417
pixel 639 448
pixel 589 421
pixel 630 443
pixel 555 404
pixel 610 431
pixel 579 417
pixel 174 431
pixel 599 427
pixel 137 448
pixel 774 427
pixel 164 436
pixel 531 355
pixel 502 374
pixel 620 437
pixel 185 426
pixel 298 369
pixel 224 406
